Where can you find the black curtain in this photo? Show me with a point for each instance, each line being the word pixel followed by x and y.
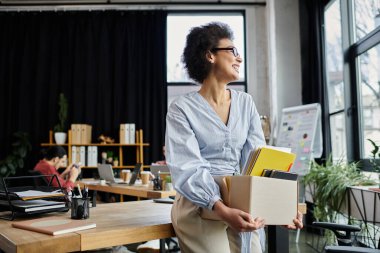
pixel 312 61
pixel 109 64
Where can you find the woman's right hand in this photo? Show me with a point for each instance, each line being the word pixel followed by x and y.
pixel 237 219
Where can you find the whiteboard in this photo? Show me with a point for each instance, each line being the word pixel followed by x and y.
pixel 300 129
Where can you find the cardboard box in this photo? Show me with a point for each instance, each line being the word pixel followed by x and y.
pixel 275 200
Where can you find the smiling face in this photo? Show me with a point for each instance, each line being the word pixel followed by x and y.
pixel 226 64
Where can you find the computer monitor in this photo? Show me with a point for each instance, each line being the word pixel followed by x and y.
pixel 155 169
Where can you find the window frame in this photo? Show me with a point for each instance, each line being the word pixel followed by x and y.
pixel 352 51
pixel 205 11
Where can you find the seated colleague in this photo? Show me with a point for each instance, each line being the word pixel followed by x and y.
pixel 52 159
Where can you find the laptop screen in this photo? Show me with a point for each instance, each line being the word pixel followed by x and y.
pixel 106 172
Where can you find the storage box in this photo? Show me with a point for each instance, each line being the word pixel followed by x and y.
pixel 275 200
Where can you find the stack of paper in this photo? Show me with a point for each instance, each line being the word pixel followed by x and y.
pixel 268 157
pixel 33 205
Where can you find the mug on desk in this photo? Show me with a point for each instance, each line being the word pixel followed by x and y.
pixel 145 175
pixel 126 175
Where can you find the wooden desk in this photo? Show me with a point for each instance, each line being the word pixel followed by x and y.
pixel 116 224
pixel 139 191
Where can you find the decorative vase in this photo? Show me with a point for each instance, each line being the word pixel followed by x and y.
pixel 115 162
pixel 60 137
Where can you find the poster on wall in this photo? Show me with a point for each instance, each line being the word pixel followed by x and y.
pixel 300 129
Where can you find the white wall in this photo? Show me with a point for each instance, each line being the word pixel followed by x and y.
pixel 285 56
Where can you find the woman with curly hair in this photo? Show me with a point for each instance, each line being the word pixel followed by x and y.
pixel 210 133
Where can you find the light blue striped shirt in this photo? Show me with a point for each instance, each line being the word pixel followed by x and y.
pixel 199 145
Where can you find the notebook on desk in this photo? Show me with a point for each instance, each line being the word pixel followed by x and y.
pixel 106 172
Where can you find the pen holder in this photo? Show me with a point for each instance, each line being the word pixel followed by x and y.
pixel 157 184
pixel 80 208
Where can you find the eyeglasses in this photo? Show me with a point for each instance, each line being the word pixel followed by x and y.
pixel 232 49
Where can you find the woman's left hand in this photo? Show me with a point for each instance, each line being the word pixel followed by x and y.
pixel 297 222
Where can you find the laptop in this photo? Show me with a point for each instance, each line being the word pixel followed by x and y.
pixel 155 169
pixel 106 172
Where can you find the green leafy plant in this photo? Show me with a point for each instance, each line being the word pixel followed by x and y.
pixel 168 179
pixel 375 158
pixel 62 113
pixel 109 154
pixel 15 159
pixel 328 182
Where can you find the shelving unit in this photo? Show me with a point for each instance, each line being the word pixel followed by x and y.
pixel 139 145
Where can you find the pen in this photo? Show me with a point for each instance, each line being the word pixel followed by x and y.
pixel 80 192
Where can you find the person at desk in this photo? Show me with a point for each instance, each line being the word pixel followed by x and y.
pixel 54 158
pixel 211 132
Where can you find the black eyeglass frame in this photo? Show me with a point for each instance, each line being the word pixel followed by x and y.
pixel 232 49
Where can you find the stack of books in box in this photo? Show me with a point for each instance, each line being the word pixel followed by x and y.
pixel 274 199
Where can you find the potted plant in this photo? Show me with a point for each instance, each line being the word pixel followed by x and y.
pixel 375 158
pixel 110 157
pixel 168 183
pixel 116 161
pixel 60 134
pixel 327 184
pixel 15 159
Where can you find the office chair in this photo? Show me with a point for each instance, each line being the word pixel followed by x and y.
pixel 346 242
pixel 40 179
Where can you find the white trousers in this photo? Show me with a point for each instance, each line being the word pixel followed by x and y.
pixel 197 235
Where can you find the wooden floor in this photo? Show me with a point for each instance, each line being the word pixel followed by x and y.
pixel 303 245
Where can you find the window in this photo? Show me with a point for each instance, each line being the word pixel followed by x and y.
pixel 178 26
pixel 367 17
pixel 353 82
pixel 334 78
pixel 369 98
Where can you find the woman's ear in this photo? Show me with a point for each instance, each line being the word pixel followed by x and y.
pixel 210 57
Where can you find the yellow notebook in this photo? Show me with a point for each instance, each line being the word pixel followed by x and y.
pixel 268 158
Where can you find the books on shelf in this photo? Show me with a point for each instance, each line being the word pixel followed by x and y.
pixel 132 133
pixel 54 225
pixel 33 205
pixel 92 156
pixel 81 133
pixel 82 155
pixel 87 156
pixel 128 133
pixel 268 157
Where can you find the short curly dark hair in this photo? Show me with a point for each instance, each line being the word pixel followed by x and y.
pixel 199 41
